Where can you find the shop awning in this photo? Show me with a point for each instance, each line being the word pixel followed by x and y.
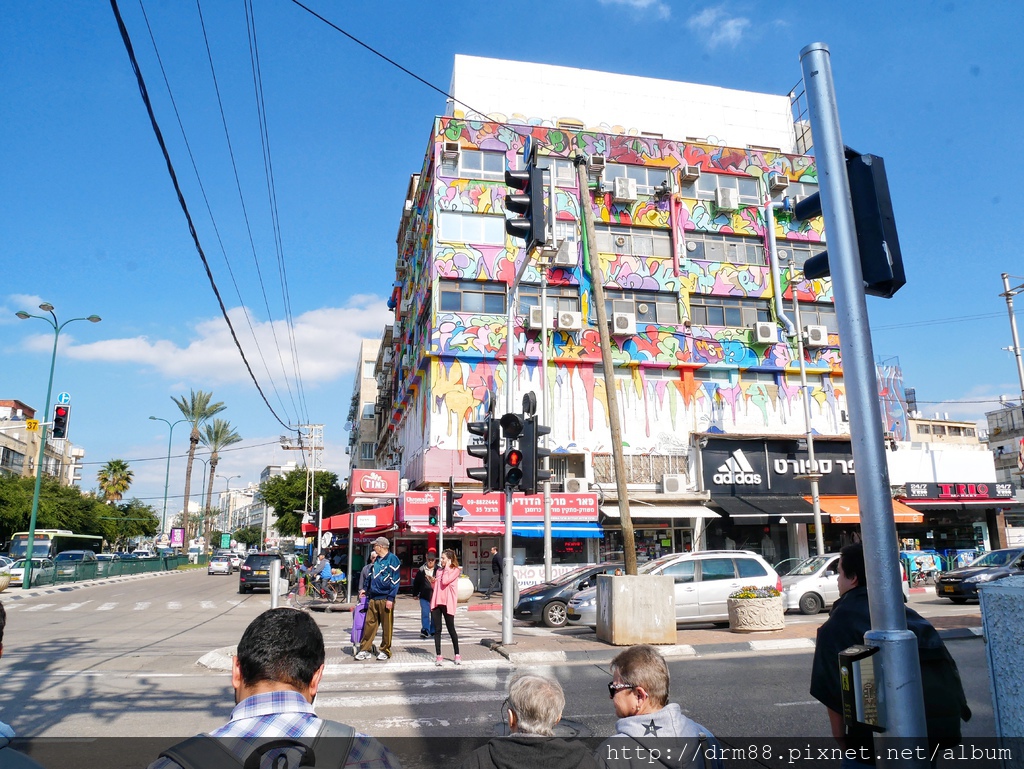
pixel 461 529
pixel 662 511
pixel 309 528
pixel 560 529
pixel 757 505
pixel 847 510
pixel 377 518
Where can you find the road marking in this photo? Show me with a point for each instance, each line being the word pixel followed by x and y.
pixel 173 605
pixel 207 605
pixel 40 606
pixel 781 643
pixel 114 673
pixel 142 605
pixel 73 606
pixel 790 704
pixel 106 607
pixel 408 699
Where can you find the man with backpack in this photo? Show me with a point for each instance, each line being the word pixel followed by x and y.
pixel 849 620
pixel 276 673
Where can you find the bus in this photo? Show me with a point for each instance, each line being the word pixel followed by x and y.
pixel 50 542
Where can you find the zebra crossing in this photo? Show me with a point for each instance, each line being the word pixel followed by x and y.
pixel 471 627
pixel 90 605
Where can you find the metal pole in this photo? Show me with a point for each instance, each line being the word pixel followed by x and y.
pixel 506 574
pixel 553 207
pixel 167 472
pixel 320 523
pixel 1008 294
pixel 440 523
pixel 900 687
pixel 351 545
pixel 812 471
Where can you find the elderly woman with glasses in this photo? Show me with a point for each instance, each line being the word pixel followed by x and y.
pixel 639 694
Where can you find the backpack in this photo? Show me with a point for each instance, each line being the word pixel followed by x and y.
pixel 329 749
pixel 945 703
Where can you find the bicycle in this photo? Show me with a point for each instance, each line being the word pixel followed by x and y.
pixel 318 590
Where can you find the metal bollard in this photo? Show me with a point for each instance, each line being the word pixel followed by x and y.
pixel 275 583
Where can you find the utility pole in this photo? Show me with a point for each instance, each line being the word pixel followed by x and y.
pixel 1008 294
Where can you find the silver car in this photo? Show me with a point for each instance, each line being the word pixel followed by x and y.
pixel 703 582
pixel 43 572
pixel 220 564
pixel 814 584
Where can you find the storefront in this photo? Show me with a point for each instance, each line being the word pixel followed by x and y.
pixel 657 529
pixel 958 516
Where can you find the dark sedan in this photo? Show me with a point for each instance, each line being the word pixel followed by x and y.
pixel 960 584
pixel 255 572
pixel 546 602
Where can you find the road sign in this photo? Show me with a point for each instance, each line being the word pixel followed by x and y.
pixel 64 399
pixel 326 538
pixel 32 425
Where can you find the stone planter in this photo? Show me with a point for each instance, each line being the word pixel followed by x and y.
pixel 752 615
pixel 465 588
pixel 636 609
pixel 5 581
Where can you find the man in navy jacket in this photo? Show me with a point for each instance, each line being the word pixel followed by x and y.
pixel 380 600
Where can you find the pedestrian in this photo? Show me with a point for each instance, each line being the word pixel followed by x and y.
pixel 533 708
pixel 849 620
pixel 639 691
pixel 9 757
pixel 423 588
pixel 276 673
pixel 497 568
pixel 384 579
pixel 364 574
pixel 444 602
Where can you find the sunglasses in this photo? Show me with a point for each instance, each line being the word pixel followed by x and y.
pixel 614 688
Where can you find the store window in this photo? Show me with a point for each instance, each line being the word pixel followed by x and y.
pixel 571 550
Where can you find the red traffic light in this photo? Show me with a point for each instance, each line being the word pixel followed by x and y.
pixel 514 458
pixel 60 411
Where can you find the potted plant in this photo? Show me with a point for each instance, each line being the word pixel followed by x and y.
pixel 754 609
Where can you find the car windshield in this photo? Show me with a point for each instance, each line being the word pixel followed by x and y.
pixel 810 566
pixel 996 558
pixel 569 576
pixel 36 564
pixel 69 557
pixel 655 565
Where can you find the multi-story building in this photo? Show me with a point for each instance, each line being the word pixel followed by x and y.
pixel 1006 441
pixel 362 411
pixel 19 447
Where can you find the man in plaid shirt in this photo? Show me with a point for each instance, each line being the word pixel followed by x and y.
pixel 275 674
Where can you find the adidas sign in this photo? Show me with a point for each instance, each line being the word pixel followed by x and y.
pixel 737 470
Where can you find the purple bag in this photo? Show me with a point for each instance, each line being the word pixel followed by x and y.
pixel 358 620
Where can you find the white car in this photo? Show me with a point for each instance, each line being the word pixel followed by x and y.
pixel 43 572
pixel 219 564
pixel 814 584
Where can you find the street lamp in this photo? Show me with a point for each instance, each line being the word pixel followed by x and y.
pixel 26 583
pixel 227 484
pixel 202 499
pixel 167 475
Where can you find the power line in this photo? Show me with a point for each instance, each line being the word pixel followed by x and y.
pixel 941 321
pixel 163 458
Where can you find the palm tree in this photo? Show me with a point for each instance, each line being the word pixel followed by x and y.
pixel 216 436
pixel 114 479
pixel 196 410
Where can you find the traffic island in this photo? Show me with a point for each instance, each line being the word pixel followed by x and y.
pixel 637 609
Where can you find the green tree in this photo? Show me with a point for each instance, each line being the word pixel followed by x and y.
pixel 287 493
pixel 250 535
pixel 196 410
pixel 215 436
pixel 115 478
pixel 128 520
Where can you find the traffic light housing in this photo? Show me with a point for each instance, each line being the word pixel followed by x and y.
pixel 512 462
pixel 881 261
pixel 533 455
pixel 529 202
pixel 432 516
pixel 61 415
pixel 452 508
pixel 489 450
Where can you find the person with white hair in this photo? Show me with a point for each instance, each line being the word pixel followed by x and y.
pixel 533 708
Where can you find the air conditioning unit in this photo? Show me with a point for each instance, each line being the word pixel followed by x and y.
pixel 576 485
pixel 777 182
pixel 401 265
pixel 623 323
pixel 596 165
pixel 727 198
pixel 624 190
pixel 815 336
pixel 536 318
pixel 348 449
pixel 565 256
pixel 673 484
pixel 408 206
pixel 406 304
pixel 765 333
pixel 570 321
pixel 450 151
pixel 689 173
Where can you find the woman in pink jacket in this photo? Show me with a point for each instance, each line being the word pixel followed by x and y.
pixel 444 602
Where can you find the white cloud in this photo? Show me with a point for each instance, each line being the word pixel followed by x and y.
pixel 972 405
pixel 17 303
pixel 659 8
pixel 720 28
pixel 327 341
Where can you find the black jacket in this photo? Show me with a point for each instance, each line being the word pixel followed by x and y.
pixel 421 586
pixel 517 751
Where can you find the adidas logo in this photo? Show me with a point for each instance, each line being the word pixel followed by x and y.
pixel 736 469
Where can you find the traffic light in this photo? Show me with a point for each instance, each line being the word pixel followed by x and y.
pixel 531 226
pixel 452 508
pixel 881 261
pixel 432 516
pixel 489 451
pixel 61 414
pixel 533 455
pixel 512 464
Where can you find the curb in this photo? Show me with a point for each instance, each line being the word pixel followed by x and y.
pixel 17 593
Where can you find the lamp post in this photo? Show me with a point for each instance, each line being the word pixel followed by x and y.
pixel 201 528
pixel 26 582
pixel 167 474
pixel 227 484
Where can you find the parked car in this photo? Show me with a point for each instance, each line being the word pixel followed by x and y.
pixel 785 566
pixel 960 584
pixel 703 582
pixel 255 572
pixel 43 572
pixel 103 561
pixel 547 601
pixel 814 584
pixel 219 564
pixel 81 564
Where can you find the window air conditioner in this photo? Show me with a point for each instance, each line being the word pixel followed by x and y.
pixel 623 323
pixel 765 333
pixel 565 256
pixel 576 485
pixel 406 304
pixel 570 321
pixel 536 318
pixel 689 173
pixel 815 336
pixel 624 191
pixel 777 182
pixel 450 151
pixel 401 265
pixel 727 199
pixel 673 484
pixel 596 165
pixel 408 206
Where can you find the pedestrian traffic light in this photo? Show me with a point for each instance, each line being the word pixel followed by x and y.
pixel 513 469
pixel 533 455
pixel 531 226
pixel 432 516
pixel 61 414
pixel 452 508
pixel 881 261
pixel 489 450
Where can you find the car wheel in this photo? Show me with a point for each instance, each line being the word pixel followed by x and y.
pixel 958 600
pixel 554 614
pixel 241 589
pixel 810 603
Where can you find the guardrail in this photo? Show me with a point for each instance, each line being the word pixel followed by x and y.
pixel 76 571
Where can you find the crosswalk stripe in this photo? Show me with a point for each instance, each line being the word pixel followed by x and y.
pixel 173 605
pixel 208 605
pixel 107 606
pixel 142 605
pixel 40 607
pixel 73 606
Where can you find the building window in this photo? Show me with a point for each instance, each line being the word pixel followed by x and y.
pixel 633 241
pixel 938 430
pixel 813 380
pixel 801 190
pixel 565 171
pixel 484 229
pixel 957 431
pixel 668 374
pixel 476 164
pixel 819 314
pixel 567 230
pixel 724 248
pixel 648 178
pixel 718 376
pixel 747 187
pixel 366 450
pixel 368 368
pixel 473 296
pixel 801 250
pixel 924 430
pixel 368 411
pixel 764 377
pixel 560 298
pixel 648 306
pixel 968 432
pixel 725 311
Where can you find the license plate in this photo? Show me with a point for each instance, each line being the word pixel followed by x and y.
pixel 948 589
pixel 572 615
pixel 260 573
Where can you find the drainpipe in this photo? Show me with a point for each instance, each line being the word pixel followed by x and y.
pixel 773 261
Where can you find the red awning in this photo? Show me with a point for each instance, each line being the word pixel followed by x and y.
pixel 309 528
pixel 485 529
pixel 847 510
pixel 382 518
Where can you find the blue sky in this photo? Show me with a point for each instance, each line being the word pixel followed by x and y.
pixel 90 222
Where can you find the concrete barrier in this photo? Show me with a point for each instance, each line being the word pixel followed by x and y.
pixel 636 609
